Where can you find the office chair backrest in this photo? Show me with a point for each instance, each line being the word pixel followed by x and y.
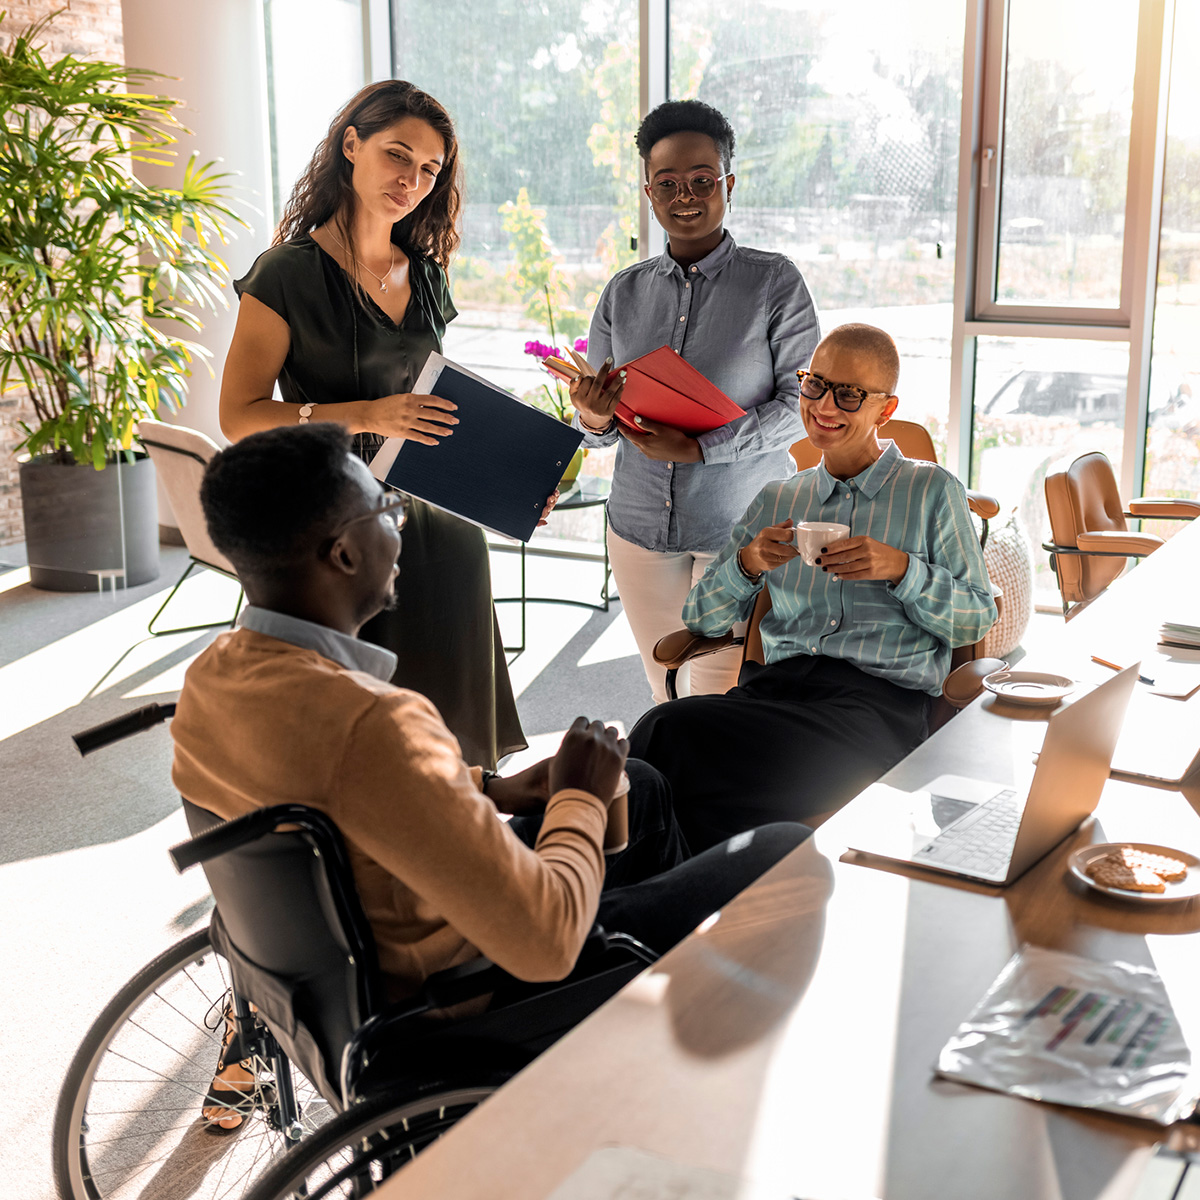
pixel 180 456
pixel 913 441
pixel 291 927
pixel 1083 498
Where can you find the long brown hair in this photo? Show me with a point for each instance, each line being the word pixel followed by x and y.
pixel 325 189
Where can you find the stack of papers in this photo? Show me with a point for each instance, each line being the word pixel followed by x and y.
pixel 1180 633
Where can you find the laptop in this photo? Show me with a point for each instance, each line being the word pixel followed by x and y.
pixel 993 832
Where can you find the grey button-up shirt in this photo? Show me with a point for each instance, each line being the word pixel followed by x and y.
pixel 745 319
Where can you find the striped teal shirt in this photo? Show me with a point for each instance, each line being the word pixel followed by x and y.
pixel 903 632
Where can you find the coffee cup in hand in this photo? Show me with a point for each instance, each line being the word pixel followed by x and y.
pixel 811 536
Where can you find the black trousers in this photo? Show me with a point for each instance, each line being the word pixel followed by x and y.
pixel 798 737
pixel 656 889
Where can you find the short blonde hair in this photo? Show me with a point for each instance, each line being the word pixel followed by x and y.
pixel 872 343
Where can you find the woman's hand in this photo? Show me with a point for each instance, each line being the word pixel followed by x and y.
pixel 424 419
pixel 770 548
pixel 663 442
pixel 594 401
pixel 863 558
pixel 551 501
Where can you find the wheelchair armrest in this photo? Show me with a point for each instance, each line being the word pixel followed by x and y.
pixel 455 985
pixel 240 831
pixel 683 645
pixel 1167 507
pixel 1117 541
pixel 983 505
pixel 964 683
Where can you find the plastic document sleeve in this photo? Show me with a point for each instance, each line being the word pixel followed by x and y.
pixel 498 467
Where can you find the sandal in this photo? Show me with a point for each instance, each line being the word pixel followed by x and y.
pixel 239 1097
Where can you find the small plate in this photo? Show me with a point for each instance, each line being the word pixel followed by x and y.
pixel 1183 890
pixel 1029 687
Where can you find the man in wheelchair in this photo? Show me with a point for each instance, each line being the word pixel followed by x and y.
pixel 855 642
pixel 291 708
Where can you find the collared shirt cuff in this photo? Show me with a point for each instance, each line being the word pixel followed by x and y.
pixel 595 440
pixel 914 580
pixel 713 443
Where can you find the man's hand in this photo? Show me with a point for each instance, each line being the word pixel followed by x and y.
pixel 591 758
pixel 662 442
pixel 595 402
pixel 771 547
pixel 863 558
pixel 525 792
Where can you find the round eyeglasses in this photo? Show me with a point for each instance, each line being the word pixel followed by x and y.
pixel 845 395
pixel 393 509
pixel 701 185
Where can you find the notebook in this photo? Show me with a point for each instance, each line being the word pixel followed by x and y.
pixel 994 832
pixel 500 465
pixel 664 387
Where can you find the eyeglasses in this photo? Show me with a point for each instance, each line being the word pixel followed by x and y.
pixel 845 395
pixel 666 187
pixel 394 508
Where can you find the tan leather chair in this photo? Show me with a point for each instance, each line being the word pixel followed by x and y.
pixel 1090 542
pixel 962 685
pixel 180 456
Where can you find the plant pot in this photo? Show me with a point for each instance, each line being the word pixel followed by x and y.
pixel 82 524
pixel 573 468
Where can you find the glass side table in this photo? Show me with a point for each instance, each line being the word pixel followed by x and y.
pixel 586 492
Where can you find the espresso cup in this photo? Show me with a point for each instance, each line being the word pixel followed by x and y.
pixel 812 535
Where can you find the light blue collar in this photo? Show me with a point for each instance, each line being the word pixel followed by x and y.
pixel 869 481
pixel 346 651
pixel 709 266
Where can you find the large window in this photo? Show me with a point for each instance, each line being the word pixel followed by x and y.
pixel 545 98
pixel 847 119
pixel 1173 440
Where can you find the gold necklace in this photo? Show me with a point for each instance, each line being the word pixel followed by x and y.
pixel 382 278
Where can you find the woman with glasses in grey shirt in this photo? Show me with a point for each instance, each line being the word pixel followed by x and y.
pixel 743 318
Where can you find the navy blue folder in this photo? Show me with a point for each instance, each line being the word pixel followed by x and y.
pixel 498 467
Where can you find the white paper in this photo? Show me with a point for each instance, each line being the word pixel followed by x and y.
pixel 1068 1030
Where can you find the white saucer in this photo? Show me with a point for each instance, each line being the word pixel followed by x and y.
pixel 1029 687
pixel 1183 890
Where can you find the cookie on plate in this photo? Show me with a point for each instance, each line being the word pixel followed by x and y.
pixel 1112 871
pixel 1171 869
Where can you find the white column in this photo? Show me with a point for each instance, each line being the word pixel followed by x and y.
pixel 216 49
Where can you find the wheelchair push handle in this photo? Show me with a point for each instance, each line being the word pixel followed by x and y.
pixel 122 727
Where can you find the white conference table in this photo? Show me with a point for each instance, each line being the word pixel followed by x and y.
pixel 792 1041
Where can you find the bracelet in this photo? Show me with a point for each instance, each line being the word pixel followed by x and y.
pixel 306 411
pixel 596 432
pixel 742 570
pixel 486 777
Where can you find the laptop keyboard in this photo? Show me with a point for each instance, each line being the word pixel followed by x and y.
pixel 982 842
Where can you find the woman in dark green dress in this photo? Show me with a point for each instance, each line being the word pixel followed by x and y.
pixel 341 313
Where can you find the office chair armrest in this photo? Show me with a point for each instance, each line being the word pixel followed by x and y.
pixel 1167 507
pixel 1117 541
pixel 683 645
pixel 964 683
pixel 983 505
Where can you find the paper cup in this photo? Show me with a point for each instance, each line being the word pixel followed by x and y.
pixel 812 535
pixel 616 832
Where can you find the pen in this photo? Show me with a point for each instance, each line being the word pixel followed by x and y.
pixel 1113 666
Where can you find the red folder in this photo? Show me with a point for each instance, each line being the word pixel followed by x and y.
pixel 661 386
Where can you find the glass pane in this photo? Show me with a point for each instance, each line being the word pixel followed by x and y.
pixel 1039 401
pixel 309 78
pixel 847 123
pixel 1068 105
pixel 545 101
pixel 1173 438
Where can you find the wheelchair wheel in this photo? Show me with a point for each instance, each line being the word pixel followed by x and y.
pixel 357 1150
pixel 128 1122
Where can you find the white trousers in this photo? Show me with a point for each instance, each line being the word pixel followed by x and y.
pixel 653 587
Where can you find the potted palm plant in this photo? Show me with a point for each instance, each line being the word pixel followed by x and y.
pixel 100 275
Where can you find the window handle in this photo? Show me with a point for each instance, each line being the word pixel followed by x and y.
pixel 985 168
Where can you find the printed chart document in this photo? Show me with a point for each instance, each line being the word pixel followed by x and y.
pixel 664 387
pixel 498 467
pixel 1072 1031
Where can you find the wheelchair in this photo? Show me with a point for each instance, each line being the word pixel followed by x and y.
pixel 348 1088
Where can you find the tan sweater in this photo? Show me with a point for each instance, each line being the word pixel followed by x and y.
pixel 441 877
